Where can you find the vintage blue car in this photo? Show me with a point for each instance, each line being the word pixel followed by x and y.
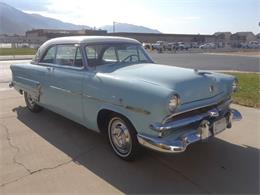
pixel 112 86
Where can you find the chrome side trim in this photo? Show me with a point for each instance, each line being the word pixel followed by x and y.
pixel 131 108
pixel 135 109
pixel 99 99
pixel 61 66
pixel 65 90
pixel 26 79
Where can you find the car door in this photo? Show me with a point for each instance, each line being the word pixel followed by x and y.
pixel 65 84
pixel 46 64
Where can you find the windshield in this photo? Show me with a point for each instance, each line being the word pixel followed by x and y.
pixel 100 54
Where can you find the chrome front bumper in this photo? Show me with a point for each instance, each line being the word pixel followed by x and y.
pixel 180 143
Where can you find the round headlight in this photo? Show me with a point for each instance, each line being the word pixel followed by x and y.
pixel 174 101
pixel 235 85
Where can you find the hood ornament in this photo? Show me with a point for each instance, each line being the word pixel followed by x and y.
pixel 200 72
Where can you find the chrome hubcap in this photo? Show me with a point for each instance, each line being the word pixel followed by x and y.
pixel 120 137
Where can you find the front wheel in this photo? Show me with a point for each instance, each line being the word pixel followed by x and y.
pixel 122 138
pixel 31 104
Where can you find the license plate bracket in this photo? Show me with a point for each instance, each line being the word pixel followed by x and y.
pixel 219 126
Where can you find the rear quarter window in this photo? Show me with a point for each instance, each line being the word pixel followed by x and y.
pixel 49 56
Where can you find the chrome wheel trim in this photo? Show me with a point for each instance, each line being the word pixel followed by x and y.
pixel 119 137
pixel 30 101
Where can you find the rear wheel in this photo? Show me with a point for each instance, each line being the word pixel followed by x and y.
pixel 122 138
pixel 31 104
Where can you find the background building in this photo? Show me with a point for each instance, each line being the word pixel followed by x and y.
pixel 239 38
pixel 153 37
pixel 223 39
pixel 34 38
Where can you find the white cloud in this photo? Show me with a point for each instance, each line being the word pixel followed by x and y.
pixel 101 12
pixel 97 13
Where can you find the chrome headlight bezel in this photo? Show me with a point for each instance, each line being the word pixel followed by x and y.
pixel 173 102
pixel 235 85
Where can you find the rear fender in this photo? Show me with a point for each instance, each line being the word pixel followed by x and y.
pixel 32 87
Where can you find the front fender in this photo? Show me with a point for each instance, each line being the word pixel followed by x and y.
pixel 140 120
pixel 141 102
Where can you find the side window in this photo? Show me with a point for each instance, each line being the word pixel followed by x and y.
pixel 128 53
pixel 49 56
pixel 65 55
pixel 110 55
pixel 78 59
pixel 91 53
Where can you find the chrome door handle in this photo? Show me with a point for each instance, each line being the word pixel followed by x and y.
pixel 49 69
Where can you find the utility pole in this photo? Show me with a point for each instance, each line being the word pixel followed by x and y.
pixel 114 27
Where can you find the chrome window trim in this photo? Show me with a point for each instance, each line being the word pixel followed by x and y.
pixel 100 43
pixel 45 52
pixel 54 65
pixel 62 66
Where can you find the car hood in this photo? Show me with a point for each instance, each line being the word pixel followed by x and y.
pixel 190 84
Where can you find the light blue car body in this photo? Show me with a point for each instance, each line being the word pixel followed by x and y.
pixel 140 92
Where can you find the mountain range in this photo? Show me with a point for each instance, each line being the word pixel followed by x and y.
pixel 123 27
pixel 14 21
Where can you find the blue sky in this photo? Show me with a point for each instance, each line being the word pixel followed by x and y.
pixel 168 16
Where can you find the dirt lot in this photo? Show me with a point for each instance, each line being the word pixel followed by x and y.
pixel 46 153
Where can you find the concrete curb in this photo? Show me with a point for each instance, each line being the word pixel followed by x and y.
pixel 16 57
pixel 234 71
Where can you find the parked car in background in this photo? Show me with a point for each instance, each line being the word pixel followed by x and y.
pixel 160 45
pixel 112 86
pixel 182 46
pixel 194 45
pixel 171 46
pixel 253 45
pixel 147 46
pixel 208 46
pixel 243 45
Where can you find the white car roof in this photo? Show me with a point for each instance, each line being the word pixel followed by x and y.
pixel 90 39
pixel 84 40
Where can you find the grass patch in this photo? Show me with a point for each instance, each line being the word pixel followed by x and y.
pixel 17 51
pixel 249 89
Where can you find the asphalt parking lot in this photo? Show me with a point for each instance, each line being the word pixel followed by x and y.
pixel 207 61
pixel 46 153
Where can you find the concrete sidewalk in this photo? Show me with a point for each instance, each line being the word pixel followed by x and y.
pixel 46 153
